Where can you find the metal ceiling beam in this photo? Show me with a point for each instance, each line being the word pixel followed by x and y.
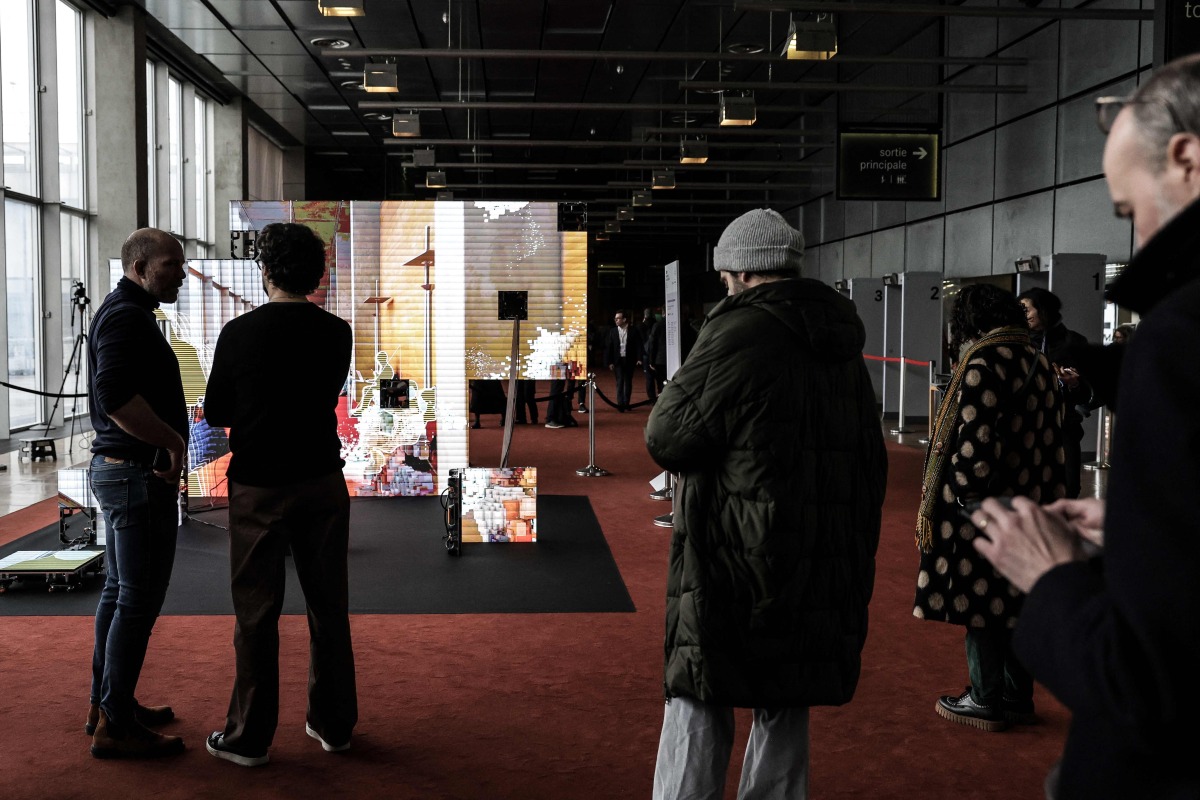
pixel 614 185
pixel 944 88
pixel 411 105
pixel 917 9
pixel 729 166
pixel 651 55
pixel 581 143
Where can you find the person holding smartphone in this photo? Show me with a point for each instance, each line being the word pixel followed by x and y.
pixel 998 432
pixel 1117 639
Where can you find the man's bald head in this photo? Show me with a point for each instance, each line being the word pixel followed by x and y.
pixel 153 259
pixel 1152 156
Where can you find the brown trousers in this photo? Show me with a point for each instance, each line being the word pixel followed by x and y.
pixel 312 519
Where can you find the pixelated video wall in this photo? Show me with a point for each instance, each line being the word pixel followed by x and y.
pixel 419 283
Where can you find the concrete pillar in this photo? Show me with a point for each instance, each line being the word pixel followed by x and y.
pixel 229 174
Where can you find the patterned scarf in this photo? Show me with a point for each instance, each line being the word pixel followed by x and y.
pixel 945 425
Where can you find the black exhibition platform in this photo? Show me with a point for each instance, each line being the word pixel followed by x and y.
pixel 398 565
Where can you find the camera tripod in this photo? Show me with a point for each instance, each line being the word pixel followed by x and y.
pixel 80 304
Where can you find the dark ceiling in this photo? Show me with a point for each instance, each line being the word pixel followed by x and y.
pixel 581 100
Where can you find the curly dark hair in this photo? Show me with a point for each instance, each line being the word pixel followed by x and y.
pixel 1048 306
pixel 982 307
pixel 292 257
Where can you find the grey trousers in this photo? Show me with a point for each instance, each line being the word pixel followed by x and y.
pixel 697 740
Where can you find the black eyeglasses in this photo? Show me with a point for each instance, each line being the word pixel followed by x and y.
pixel 1107 109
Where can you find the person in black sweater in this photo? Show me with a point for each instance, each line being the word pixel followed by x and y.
pixel 139 413
pixel 286 492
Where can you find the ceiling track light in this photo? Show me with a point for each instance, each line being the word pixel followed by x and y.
pixel 642 199
pixel 342 8
pixel 812 40
pixel 625 213
pixel 693 150
pixel 435 180
pixel 737 109
pixel 406 125
pixel 612 226
pixel 380 78
pixel 662 179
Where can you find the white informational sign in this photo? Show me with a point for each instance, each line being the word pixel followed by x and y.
pixel 672 317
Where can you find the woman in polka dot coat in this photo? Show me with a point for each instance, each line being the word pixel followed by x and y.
pixel 998 433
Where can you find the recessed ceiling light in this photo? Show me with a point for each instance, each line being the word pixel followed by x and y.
pixel 684 119
pixel 381 117
pixel 330 42
pixel 744 48
pixel 352 85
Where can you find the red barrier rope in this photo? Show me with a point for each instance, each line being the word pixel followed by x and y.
pixel 892 360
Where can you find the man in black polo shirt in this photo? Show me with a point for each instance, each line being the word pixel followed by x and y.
pixel 140 417
pixel 277 376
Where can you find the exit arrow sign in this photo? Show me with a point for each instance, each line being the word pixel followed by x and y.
pixel 888 165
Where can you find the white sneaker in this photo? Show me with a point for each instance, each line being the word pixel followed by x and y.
pixel 329 748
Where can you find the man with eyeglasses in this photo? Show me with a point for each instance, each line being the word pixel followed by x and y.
pixel 1116 637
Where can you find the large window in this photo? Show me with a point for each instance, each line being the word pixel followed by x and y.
pixel 22 261
pixel 19 116
pixel 71 181
pixel 180 148
pixel 43 115
pixel 76 307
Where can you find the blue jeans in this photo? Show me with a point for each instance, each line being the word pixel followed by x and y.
pixel 141 511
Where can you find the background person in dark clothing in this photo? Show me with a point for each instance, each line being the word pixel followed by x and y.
pixel 286 492
pixel 1043 312
pixel 645 329
pixel 998 431
pixel 1118 641
pixel 623 355
pixel 771 426
pixel 138 411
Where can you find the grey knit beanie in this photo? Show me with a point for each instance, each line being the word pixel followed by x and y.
pixel 759 241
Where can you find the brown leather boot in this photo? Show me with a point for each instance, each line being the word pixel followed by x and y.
pixel 132 741
pixel 150 716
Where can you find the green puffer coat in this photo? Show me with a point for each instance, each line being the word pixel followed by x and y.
pixel 772 427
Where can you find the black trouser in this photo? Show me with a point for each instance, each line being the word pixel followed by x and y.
pixel 312 519
pixel 526 398
pixel 996 674
pixel 623 372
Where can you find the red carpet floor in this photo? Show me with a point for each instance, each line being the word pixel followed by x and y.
pixel 551 706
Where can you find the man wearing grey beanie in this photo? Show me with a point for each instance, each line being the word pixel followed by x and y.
pixel 772 428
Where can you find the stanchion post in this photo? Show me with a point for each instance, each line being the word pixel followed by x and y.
pixel 932 410
pixel 1101 461
pixel 900 422
pixel 591 470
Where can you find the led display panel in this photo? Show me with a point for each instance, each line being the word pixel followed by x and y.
pixel 419 282
pixel 499 505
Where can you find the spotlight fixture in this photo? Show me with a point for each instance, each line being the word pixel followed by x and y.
pixel 1029 264
pixel 891 279
pixel 663 179
pixel 693 150
pixel 435 180
pixel 625 213
pixel 424 157
pixel 342 8
pixel 642 199
pixel 601 236
pixel 331 42
pixel 612 226
pixel 812 40
pixel 737 109
pixel 408 126
pixel 380 78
